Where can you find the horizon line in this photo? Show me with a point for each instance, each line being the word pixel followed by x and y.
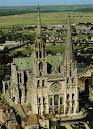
pixel 45 5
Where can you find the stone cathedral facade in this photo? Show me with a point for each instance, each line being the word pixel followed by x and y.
pixel 49 83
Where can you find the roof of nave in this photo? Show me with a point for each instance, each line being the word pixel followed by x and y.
pixel 25 63
pixel 55 61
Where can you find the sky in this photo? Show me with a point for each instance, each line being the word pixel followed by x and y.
pixel 42 2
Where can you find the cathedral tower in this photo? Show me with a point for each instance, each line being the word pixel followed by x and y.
pixel 39 70
pixel 71 95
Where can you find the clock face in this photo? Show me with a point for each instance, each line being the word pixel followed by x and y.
pixel 55 87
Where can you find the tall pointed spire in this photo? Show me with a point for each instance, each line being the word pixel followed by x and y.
pixel 40 46
pixel 70 76
pixel 39 23
pixel 68 48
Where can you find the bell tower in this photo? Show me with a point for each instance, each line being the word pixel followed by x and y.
pixel 39 71
pixel 71 95
pixel 40 65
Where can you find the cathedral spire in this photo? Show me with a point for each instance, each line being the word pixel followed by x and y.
pixel 39 23
pixel 68 48
pixel 40 46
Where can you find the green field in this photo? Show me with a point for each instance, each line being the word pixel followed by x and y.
pixel 57 14
pixel 47 18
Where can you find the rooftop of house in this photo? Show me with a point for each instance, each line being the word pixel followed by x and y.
pixel 32 119
pixel 14 126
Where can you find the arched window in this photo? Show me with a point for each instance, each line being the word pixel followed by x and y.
pixel 59 69
pixel 36 54
pixel 42 83
pixel 72 96
pixel 67 80
pixel 72 80
pixel 61 100
pixel 68 96
pixel 39 44
pixel 40 66
pixel 39 110
pixel 38 83
pixel 49 68
pixel 67 110
pixel 44 100
pixel 73 103
pixel 50 101
pixel 6 86
pixel 39 100
pixel 40 74
pixel 40 54
pixel 56 97
pixel 19 78
pixel 20 95
pixel 70 72
pixel 56 110
pixel 13 99
pixel 44 54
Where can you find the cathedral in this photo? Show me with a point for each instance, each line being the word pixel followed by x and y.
pixel 49 83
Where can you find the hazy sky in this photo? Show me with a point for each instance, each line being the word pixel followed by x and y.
pixel 42 2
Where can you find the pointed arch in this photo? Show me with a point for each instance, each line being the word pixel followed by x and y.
pixel 36 54
pixel 40 66
pixel 40 54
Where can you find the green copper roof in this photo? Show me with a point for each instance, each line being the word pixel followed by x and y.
pixel 24 63
pixel 55 61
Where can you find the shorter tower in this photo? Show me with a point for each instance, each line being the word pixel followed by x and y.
pixel 71 92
